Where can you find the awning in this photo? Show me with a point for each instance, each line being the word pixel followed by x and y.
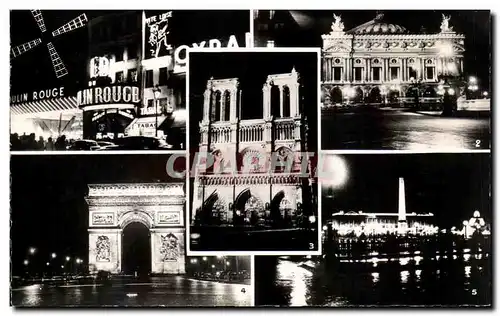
pixel 143 124
pixel 56 104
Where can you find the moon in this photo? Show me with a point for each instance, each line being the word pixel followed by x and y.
pixel 334 171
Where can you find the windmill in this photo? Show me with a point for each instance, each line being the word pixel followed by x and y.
pixel 57 62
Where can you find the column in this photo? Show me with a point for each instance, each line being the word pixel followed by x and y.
pixel 233 104
pixel 294 102
pixel 461 66
pixel 388 72
pixel 422 69
pixel 368 70
pixel 281 100
pixel 351 70
pixel 329 69
pixel 386 67
pixel 324 63
pixel 265 96
pixel 206 104
pixel 345 70
pixel 403 70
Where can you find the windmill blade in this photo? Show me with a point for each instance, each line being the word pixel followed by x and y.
pixel 39 20
pixel 57 63
pixel 74 24
pixel 21 49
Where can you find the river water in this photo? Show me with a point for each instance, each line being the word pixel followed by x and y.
pixel 461 279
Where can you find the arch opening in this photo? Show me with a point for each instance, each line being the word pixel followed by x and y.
pixel 136 249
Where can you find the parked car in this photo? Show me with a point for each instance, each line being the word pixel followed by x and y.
pixel 104 144
pixel 139 143
pixel 103 276
pixel 84 144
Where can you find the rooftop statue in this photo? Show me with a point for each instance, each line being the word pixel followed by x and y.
pixel 445 24
pixel 337 25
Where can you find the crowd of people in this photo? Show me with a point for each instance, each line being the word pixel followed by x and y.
pixel 29 142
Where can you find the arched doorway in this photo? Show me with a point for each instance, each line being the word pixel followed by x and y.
pixel 358 95
pixel 374 96
pixel 136 250
pixel 249 209
pixel 254 211
pixel 276 215
pixel 336 95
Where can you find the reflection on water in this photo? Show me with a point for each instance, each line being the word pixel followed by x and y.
pixel 161 291
pixel 295 277
pixel 448 280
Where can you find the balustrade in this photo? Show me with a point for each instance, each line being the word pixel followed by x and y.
pixel 251 131
pixel 284 130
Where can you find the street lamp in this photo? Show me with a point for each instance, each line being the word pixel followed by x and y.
pixel 156 96
pixel 472 80
pixel 67 258
pixel 485 94
pixel 32 250
pixel 26 262
pixel 53 255
pixel 204 258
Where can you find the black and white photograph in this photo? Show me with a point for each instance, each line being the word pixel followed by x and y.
pixel 253 125
pixel 108 230
pixel 108 80
pixel 394 79
pixel 412 230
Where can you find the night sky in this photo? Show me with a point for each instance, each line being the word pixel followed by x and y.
pixel 475 25
pixel 452 186
pixel 252 70
pixel 33 69
pixel 48 210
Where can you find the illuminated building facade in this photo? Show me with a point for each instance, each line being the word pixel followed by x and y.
pixel 379 62
pixel 158 207
pixel 401 223
pixel 46 113
pixel 139 95
pixel 241 189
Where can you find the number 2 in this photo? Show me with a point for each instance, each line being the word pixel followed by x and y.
pixel 478 143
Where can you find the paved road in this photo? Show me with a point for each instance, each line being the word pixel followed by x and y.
pixel 372 128
pixel 159 291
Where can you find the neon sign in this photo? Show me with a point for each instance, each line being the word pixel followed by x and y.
pixel 157 40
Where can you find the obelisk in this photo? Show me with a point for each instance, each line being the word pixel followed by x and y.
pixel 402 226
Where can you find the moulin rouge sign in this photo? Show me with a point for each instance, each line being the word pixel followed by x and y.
pixel 38 95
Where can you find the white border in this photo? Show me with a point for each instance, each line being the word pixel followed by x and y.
pixel 403 152
pixel 96 152
pixel 188 171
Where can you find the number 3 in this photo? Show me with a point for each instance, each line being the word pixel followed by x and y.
pixel 311 245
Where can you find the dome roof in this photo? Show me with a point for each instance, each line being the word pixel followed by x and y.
pixel 378 26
